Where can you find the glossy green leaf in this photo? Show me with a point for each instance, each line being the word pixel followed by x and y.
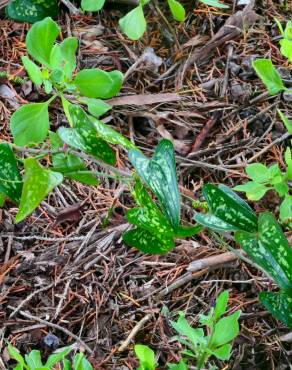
pixel 226 329
pixel 96 83
pixel 215 3
pixel 41 38
pixel 32 10
pixel 148 242
pixel 69 164
pixel 30 124
pixel 187 231
pixel 96 107
pixel 269 75
pixel 177 10
pixel 279 304
pixel 229 209
pixel 92 5
pixel 286 121
pixel 32 70
pixel 146 357
pixel 133 24
pixel 10 178
pixel 63 56
pixel 37 184
pixel 159 174
pixel 103 131
pixel 212 222
pixel 253 190
pixel 270 250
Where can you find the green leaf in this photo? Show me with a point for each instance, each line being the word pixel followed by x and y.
pixel 196 336
pixel 92 5
pixel 41 38
pixel 84 136
pixel 270 250
pixel 215 3
pixel 30 124
pixel 37 184
pixel 229 209
pixel 269 75
pixel 221 304
pixel 225 330
pixel 33 70
pixel 15 354
pixel 286 121
pixel 282 188
pixel 177 10
pixel 286 209
pixel 279 304
pixel 146 357
pixel 288 160
pixel 253 190
pixel 66 105
pixel 96 107
pixel 148 242
pixel 159 174
pixel 212 222
pixel 103 131
pixel 179 366
pixel 57 357
pixel 133 24
pixel 10 178
pixel 2 200
pixel 187 231
pixel 33 360
pixel 32 10
pixel 286 49
pixel 96 83
pixel 69 164
pixel 67 365
pixel 223 353
pixel 258 172
pixel 63 56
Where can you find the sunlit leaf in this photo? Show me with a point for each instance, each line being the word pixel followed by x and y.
pixel 37 184
pixel 10 178
pixel 279 304
pixel 133 24
pixel 146 357
pixel 177 10
pixel 269 75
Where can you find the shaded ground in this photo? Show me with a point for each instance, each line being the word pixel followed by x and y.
pixel 77 274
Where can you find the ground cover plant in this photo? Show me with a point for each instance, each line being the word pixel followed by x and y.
pixel 143 185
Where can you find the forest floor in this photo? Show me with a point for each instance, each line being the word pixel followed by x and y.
pixel 65 270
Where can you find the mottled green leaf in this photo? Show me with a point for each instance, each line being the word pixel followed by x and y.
pixel 269 75
pixel 279 304
pixel 37 184
pixel 148 242
pixel 270 250
pixel 229 209
pixel 96 83
pixel 10 178
pixel 159 174
pixel 32 10
pixel 103 131
pixel 213 222
pixel 41 38
pixel 69 164
pixel 32 70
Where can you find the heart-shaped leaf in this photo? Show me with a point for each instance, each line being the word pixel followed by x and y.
pixel 148 242
pixel 30 124
pixel 32 10
pixel 279 304
pixel 96 83
pixel 37 184
pixel 269 75
pixel 10 178
pixel 41 38
pixel 159 174
pixel 228 211
pixel 270 250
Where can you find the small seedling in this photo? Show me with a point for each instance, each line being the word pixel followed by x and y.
pixel 218 338
pixel 146 357
pixel 270 178
pixel 286 41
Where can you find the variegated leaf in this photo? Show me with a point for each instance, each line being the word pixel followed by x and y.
pixel 10 178
pixel 148 242
pixel 270 250
pixel 229 209
pixel 214 222
pixel 279 304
